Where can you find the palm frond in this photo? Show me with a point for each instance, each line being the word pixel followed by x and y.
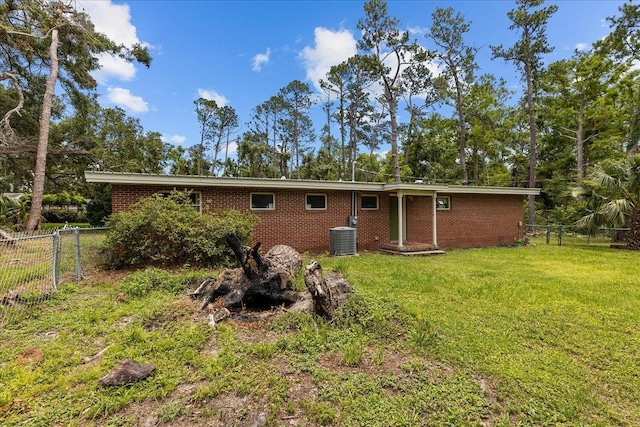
pixel 616 212
pixel 589 224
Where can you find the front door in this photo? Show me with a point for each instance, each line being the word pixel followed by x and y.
pixel 393 218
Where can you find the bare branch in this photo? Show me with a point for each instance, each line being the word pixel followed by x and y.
pixel 6 131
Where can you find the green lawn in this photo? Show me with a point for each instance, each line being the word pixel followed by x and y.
pixel 535 335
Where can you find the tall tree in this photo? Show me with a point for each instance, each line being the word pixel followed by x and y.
pixel 265 131
pixel 336 83
pixel 390 50
pixel 326 165
pixel 351 81
pixel 419 94
pixel 578 102
pixel 228 125
pixel 458 66
pixel 623 44
pixel 255 156
pixel 122 144
pixel 486 118
pixel 296 125
pixel 432 155
pixel 207 114
pixel 52 35
pixel 530 20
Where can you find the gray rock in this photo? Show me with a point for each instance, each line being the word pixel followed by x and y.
pixel 126 373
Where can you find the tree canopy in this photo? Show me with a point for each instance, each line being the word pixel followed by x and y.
pixel 427 99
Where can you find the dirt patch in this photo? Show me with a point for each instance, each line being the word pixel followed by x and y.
pixel 30 356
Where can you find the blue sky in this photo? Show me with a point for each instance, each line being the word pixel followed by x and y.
pixel 240 53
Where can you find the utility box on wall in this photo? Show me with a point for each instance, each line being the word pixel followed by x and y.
pixel 353 221
pixel 342 241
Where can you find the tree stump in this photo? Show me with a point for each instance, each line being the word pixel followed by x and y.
pixel 328 293
pixel 259 281
pixel 268 281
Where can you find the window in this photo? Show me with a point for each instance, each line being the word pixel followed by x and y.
pixel 316 202
pixel 195 198
pixel 369 202
pixel 443 203
pixel 263 201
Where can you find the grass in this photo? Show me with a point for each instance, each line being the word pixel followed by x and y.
pixel 535 335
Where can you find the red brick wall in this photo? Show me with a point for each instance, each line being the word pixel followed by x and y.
pixel 290 223
pixel 419 219
pixel 373 225
pixel 473 221
pixel 477 220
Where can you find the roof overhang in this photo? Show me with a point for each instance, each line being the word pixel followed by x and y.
pixel 293 184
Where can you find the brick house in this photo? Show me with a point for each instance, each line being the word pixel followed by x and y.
pixel 300 213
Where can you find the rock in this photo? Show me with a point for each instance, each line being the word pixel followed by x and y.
pixel 126 373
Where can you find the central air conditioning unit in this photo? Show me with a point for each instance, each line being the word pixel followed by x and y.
pixel 342 241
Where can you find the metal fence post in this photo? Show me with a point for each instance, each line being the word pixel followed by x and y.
pixel 548 234
pixel 56 259
pixel 76 236
pixel 560 236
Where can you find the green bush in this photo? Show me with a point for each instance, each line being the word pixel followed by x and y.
pixel 99 205
pixel 64 215
pixel 167 231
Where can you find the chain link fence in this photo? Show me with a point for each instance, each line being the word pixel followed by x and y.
pixel 568 235
pixel 33 264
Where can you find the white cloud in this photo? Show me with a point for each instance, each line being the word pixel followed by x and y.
pixel 123 98
pixel 212 95
pixel 112 66
pixel 113 20
pixel 331 48
pixel 173 139
pixel 581 47
pixel 418 31
pixel 260 59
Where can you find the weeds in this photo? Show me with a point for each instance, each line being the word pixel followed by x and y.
pixel 531 336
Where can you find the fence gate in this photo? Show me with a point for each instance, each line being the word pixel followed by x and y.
pixel 33 264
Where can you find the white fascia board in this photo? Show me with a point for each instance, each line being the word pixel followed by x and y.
pixel 417 189
pixel 491 190
pixel 209 181
pixel 413 189
pixel 289 184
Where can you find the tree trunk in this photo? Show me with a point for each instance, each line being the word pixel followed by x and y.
pixel 394 136
pixel 632 237
pixel 268 281
pixel 259 281
pixel 580 141
pixel 329 293
pixel 533 150
pixel 43 141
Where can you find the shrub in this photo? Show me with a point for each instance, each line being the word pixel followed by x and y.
pixel 166 230
pixel 99 206
pixel 60 216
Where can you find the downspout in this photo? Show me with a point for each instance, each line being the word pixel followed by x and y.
pixel 354 201
pixel 435 227
pixel 400 220
pixel 354 209
pixel 354 213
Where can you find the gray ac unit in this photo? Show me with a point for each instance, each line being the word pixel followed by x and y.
pixel 342 241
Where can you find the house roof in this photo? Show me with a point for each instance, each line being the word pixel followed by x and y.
pixel 271 183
